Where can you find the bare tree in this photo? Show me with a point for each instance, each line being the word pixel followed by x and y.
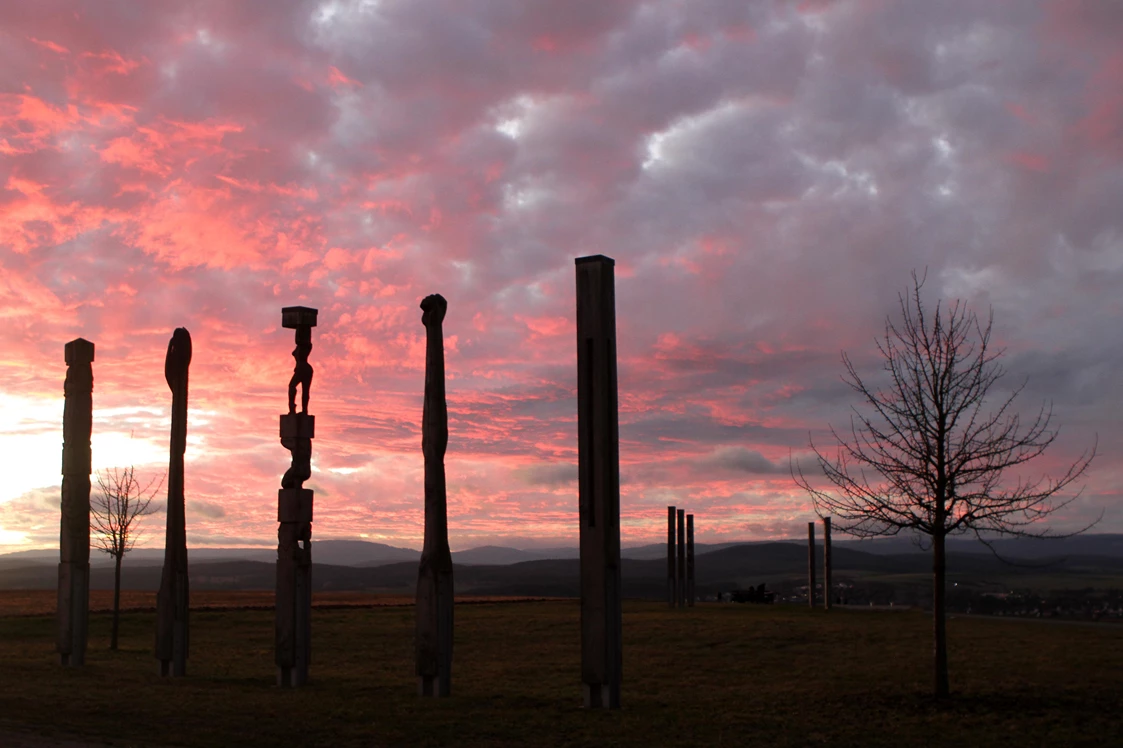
pixel 927 455
pixel 113 514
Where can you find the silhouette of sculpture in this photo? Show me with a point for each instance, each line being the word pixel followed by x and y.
pixel 172 601
pixel 301 468
pixel 302 373
pixel 294 513
pixel 72 617
pixel 598 467
pixel 434 573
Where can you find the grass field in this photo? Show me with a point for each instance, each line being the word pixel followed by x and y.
pixel 44 602
pixel 712 675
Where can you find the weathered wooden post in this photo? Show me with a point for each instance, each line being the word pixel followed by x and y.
pixel 681 600
pixel 172 601
pixel 672 587
pixel 598 447
pixel 294 513
pixel 72 617
pixel 827 563
pixel 690 560
pixel 811 564
pixel 433 628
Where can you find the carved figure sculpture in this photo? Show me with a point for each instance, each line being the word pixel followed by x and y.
pixel 172 601
pixel 294 513
pixel 301 468
pixel 302 373
pixel 434 573
pixel 74 533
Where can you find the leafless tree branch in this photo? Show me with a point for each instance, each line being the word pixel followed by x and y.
pixel 114 510
pixel 928 453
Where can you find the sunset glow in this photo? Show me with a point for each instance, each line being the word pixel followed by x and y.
pixel 765 175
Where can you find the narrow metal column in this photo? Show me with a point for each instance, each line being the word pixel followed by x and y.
pixel 811 564
pixel 690 560
pixel 672 587
pixel 681 600
pixel 827 563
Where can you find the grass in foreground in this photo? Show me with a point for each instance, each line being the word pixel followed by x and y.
pixel 712 675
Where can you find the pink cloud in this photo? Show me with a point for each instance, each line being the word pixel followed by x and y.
pixel 764 175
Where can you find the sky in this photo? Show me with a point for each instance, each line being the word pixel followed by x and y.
pixel 765 174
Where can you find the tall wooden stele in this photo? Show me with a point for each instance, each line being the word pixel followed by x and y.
pixel 598 447
pixel 681 601
pixel 434 573
pixel 72 617
pixel 827 563
pixel 172 601
pixel 294 512
pixel 690 560
pixel 811 564
pixel 672 587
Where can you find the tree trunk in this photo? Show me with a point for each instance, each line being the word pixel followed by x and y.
pixel 116 600
pixel 938 618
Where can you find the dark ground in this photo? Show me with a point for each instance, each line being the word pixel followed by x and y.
pixel 712 675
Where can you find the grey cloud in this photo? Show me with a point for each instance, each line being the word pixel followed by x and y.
pixel 207 509
pixel 547 474
pixel 809 162
pixel 743 460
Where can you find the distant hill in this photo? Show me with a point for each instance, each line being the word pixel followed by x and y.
pixel 781 566
pixel 357 552
pixel 1099 544
pixel 349 553
pixel 336 552
pixel 494 554
pixel 659 550
pixel 366 553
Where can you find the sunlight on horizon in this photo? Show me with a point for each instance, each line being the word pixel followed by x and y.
pixel 12 538
pixel 31 437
